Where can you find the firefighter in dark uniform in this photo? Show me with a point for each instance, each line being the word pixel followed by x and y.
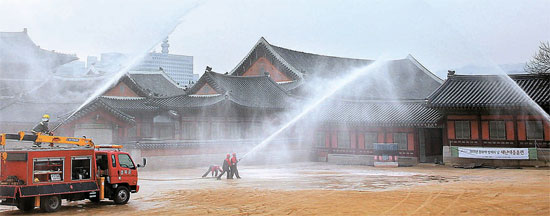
pixel 214 169
pixel 42 127
pixel 234 170
pixel 225 167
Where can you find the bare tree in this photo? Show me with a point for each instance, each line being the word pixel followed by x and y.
pixel 541 61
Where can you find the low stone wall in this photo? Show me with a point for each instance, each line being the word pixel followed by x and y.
pixel 348 159
pixel 543 155
pixel 204 160
pixel 407 161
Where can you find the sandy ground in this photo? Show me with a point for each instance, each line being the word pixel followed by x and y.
pixel 322 189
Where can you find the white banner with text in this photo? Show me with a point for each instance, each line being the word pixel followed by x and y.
pixel 493 153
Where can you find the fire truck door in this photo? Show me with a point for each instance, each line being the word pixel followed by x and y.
pixel 127 170
pixel 114 170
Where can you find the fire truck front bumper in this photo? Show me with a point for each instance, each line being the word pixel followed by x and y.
pixel 7 191
pixel 136 189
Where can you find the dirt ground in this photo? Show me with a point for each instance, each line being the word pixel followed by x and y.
pixel 322 189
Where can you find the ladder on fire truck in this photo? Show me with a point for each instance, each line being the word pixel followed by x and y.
pixel 41 138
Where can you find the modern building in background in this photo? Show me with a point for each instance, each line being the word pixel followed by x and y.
pixel 178 67
pixel 72 69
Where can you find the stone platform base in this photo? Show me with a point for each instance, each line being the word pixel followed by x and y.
pixel 543 160
pixel 385 164
pixel 347 159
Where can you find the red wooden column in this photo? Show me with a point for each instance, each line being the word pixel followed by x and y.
pixel 361 140
pixel 389 138
pixel 451 129
pixel 484 131
pixel 334 139
pixel 521 130
pixel 546 131
pixel 353 139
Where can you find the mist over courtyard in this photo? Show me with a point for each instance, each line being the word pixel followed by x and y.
pixel 384 108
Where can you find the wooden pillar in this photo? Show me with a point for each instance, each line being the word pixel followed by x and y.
pixel 444 135
pixel 416 132
pixel 385 135
pixel 516 135
pixel 180 129
pixel 479 131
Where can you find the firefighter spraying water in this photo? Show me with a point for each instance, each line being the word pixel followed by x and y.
pixel 42 127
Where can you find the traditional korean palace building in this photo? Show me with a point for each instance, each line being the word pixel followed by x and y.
pixel 492 111
pixel 397 102
pixel 234 111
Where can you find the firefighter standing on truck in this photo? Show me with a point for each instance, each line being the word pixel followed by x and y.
pixel 42 127
pixel 225 168
pixel 234 170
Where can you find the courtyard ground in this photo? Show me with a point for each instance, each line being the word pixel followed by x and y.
pixel 323 189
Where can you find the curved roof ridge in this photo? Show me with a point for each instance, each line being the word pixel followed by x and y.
pixel 233 76
pixel 529 76
pixel 94 104
pixel 491 91
pixel 122 97
pixel 423 69
pixel 159 72
pixel 475 76
pixel 263 41
pixel 258 77
pixel 381 100
pixel 330 56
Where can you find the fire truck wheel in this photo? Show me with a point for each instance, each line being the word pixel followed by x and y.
pixel 50 203
pixel 122 195
pixel 25 204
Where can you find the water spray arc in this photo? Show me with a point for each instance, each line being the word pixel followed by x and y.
pixel 531 103
pixel 339 84
pixel 118 75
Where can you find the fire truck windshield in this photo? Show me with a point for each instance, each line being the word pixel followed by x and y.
pixel 125 161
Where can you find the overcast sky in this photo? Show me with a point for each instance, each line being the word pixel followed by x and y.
pixel 440 34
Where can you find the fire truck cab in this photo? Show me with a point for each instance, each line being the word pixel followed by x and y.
pixel 44 176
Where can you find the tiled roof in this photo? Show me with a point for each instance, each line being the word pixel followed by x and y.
pixel 128 104
pixel 536 86
pixel 253 91
pixel 379 113
pixel 264 49
pixel 491 91
pixel 183 102
pixel 288 86
pixel 250 91
pixel 108 104
pixel 392 80
pixel 17 46
pixel 319 65
pixel 123 108
pixel 155 83
pixel 396 79
pixel 60 97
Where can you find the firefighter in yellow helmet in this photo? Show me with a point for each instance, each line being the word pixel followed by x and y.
pixel 42 127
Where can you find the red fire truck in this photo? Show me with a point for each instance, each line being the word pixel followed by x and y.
pixel 68 168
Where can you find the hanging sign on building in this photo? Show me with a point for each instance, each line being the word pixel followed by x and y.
pixel 493 153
